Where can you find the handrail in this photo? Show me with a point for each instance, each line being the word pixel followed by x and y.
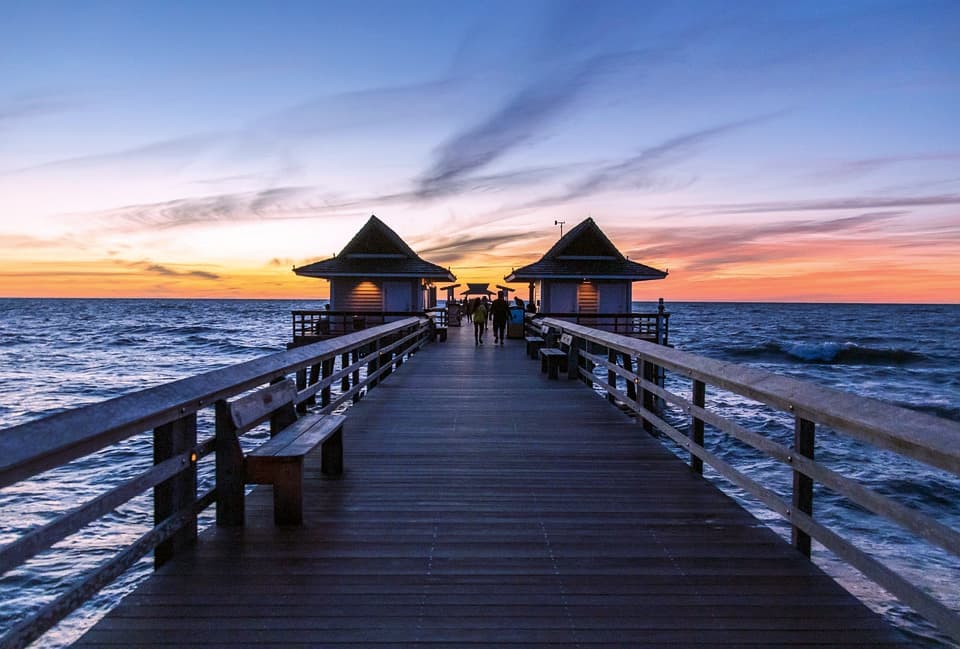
pixel 170 410
pixel 909 433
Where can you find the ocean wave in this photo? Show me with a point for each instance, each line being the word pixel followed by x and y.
pixel 830 353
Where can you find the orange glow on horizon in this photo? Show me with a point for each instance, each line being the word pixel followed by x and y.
pixel 804 280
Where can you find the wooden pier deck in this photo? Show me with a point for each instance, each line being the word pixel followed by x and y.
pixel 483 505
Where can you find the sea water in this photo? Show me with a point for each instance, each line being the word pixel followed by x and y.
pixel 59 354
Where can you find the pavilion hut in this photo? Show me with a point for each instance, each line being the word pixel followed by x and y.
pixel 584 277
pixel 375 275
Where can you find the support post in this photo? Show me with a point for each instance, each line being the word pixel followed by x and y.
pixel 648 400
pixel 696 426
pixel 345 381
pixel 229 471
pixel 611 375
pixel 180 491
pixel 326 371
pixel 803 443
pixel 573 359
pixel 374 363
pixel 631 386
pixel 354 358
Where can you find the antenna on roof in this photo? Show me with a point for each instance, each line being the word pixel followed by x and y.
pixel 560 223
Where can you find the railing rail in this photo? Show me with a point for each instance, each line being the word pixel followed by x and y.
pixel 170 411
pixel 324 323
pixel 908 433
pixel 654 327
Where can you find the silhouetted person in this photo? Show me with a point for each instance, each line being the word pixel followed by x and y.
pixel 500 311
pixel 479 321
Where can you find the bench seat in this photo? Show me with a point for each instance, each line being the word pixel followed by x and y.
pixel 533 344
pixel 279 462
pixel 552 361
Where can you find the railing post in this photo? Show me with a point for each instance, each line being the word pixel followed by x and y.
pixel 648 374
pixel 374 363
pixel 803 443
pixel 355 358
pixel 326 371
pixel 696 426
pixel 611 375
pixel 585 364
pixel 229 471
pixel 301 385
pixel 631 386
pixel 312 377
pixel 345 381
pixel 180 491
pixel 573 359
pixel 660 337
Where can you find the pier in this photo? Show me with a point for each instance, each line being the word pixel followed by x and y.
pixel 481 503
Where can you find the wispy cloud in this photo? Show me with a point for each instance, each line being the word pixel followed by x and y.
pixel 709 248
pixel 276 203
pixel 642 170
pixel 519 119
pixel 175 151
pixel 31 106
pixel 852 169
pixel 454 248
pixel 166 271
pixel 853 203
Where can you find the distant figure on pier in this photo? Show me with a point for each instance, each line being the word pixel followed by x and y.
pixel 479 312
pixel 519 302
pixel 500 311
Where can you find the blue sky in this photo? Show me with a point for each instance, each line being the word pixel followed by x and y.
pixel 202 149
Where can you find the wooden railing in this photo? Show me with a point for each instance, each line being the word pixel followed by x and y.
pixel 908 433
pixel 654 327
pixel 313 325
pixel 170 411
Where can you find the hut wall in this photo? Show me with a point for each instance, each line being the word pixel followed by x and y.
pixel 614 297
pixel 347 294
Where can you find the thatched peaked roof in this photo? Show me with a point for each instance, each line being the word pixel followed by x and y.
pixel 584 252
pixel 376 251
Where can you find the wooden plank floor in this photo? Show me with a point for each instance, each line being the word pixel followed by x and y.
pixel 483 505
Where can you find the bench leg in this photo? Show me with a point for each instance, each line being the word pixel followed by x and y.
pixel 331 454
pixel 554 365
pixel 544 363
pixel 288 495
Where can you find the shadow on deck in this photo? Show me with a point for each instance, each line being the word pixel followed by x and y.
pixel 484 505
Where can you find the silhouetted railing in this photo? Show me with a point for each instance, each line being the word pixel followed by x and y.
pixel 639 366
pixel 181 440
pixel 313 325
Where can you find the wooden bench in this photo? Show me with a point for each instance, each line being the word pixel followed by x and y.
pixel 279 461
pixel 554 359
pixel 534 343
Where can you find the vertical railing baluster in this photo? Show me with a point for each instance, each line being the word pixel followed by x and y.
pixel 611 375
pixel 355 358
pixel 648 375
pixel 696 425
pixel 374 364
pixel 345 381
pixel 180 491
pixel 631 385
pixel 229 470
pixel 326 371
pixel 803 444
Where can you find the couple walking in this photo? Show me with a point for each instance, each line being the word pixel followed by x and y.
pixel 484 309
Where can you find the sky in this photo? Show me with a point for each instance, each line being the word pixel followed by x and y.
pixel 759 151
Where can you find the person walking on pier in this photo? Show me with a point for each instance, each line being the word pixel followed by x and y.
pixel 479 321
pixel 500 311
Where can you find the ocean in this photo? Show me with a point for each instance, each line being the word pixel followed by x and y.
pixel 57 354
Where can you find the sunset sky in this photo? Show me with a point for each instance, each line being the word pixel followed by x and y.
pixel 787 151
